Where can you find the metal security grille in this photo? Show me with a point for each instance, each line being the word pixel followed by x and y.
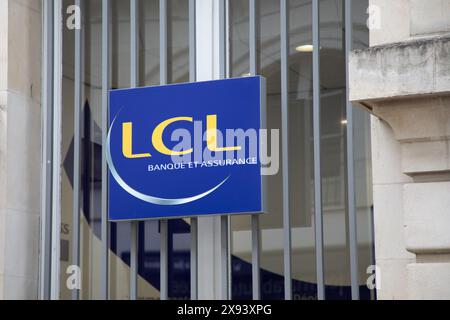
pixel 51 101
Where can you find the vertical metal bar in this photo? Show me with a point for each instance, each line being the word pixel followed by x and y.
pixel 164 225
pixel 206 70
pixel 193 78
pixel 104 271
pixel 317 152
pixel 256 236
pixel 252 38
pixel 284 31
pixel 134 260
pixel 222 40
pixel 134 45
pixel 134 78
pixel 192 42
pixel 226 50
pixel 353 239
pixel 47 125
pixel 163 42
pixel 56 179
pixel 194 257
pixel 164 264
pixel 224 225
pixel 229 248
pixel 224 257
pixel 256 257
pixel 77 153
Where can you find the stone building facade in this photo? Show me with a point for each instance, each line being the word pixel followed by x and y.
pixel 20 147
pixel 404 80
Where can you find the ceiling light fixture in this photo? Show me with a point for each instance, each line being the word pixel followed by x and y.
pixel 305 48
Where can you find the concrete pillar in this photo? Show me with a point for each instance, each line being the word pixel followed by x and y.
pixel 20 148
pixel 406 85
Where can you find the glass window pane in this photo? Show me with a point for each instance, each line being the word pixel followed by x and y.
pixel 149 42
pixel 178 41
pixel 333 148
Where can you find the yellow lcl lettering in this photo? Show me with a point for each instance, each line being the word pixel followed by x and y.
pixel 211 136
pixel 127 143
pixel 157 140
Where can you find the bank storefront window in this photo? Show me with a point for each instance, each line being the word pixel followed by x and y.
pixel 301 157
pixel 273 256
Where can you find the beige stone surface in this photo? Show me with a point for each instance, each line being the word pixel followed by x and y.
pixel 394 280
pixel 386 155
pixel 3 189
pixel 24 154
pixel 421 127
pixel 405 81
pixel 425 157
pixel 34 5
pixel 429 281
pixel 427 217
pixel 3 47
pixel 3 153
pixel 24 43
pixel 19 288
pixel 394 21
pixel 1 286
pixel 410 68
pixel 414 119
pixel 20 148
pixel 388 179
pixel 390 240
pixel 2 243
pixel 429 17
pixel 22 246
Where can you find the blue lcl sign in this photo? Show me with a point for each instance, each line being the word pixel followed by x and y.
pixel 186 150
